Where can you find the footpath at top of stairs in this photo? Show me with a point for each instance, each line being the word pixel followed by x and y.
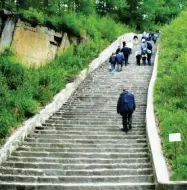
pixel 82 147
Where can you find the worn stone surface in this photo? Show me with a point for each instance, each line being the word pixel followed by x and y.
pixel 7 34
pixel 35 46
pixel 65 44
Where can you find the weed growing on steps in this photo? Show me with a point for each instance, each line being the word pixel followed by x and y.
pixel 171 93
pixel 25 90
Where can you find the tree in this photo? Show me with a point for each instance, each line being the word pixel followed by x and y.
pixel 110 7
pixel 21 4
pixel 132 14
pixel 2 4
pixel 85 6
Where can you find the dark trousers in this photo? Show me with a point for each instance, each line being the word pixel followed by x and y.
pixel 144 60
pixel 127 120
pixel 138 58
pixel 126 57
pixel 149 59
pixel 119 66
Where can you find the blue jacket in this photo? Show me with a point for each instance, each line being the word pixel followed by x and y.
pixel 119 58
pixel 126 103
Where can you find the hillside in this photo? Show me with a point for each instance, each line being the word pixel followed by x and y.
pixel 171 94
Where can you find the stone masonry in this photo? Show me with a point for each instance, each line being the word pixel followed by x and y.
pixel 82 147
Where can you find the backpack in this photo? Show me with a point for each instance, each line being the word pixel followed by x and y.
pixel 126 103
pixel 112 59
pixel 154 38
pixel 149 46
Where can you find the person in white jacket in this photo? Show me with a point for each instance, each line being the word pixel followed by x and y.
pixel 130 46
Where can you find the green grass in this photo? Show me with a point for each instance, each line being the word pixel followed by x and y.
pixel 25 90
pixel 170 93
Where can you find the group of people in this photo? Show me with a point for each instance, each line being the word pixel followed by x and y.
pixel 146 47
pixel 120 57
pixel 144 53
pixel 126 102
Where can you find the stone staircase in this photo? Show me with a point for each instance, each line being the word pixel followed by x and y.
pixel 82 147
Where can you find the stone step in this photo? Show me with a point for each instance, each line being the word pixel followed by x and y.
pixel 106 119
pixel 91 122
pixel 86 132
pixel 88 137
pixel 97 104
pixel 101 110
pixel 79 145
pixel 92 126
pixel 58 166
pixel 107 142
pixel 97 177
pixel 82 149
pixel 76 186
pixel 82 116
pixel 104 155
pixel 140 106
pixel 80 160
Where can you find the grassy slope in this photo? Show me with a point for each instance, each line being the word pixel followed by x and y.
pixel 171 93
pixel 24 90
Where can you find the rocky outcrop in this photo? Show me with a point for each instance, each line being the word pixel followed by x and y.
pixel 33 45
pixel 7 33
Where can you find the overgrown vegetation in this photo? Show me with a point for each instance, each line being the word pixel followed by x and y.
pixel 171 94
pixel 24 90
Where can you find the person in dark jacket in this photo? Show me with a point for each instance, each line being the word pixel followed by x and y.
pixel 125 50
pixel 149 52
pixel 112 61
pixel 125 107
pixel 118 50
pixel 138 55
pixel 119 60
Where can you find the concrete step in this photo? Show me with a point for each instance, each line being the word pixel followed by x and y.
pixel 76 179
pixel 78 186
pixel 80 155
pixel 88 146
pixel 95 123
pixel 88 137
pixel 79 160
pixel 58 166
pixel 107 142
pixel 88 132
pixel 82 149
pixel 104 120
pixel 93 126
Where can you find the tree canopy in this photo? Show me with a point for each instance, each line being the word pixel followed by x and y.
pixel 137 13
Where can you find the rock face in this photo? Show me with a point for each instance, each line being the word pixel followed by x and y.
pixel 32 45
pixel 7 33
pixel 36 45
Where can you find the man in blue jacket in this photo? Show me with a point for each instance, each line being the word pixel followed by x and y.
pixel 125 107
